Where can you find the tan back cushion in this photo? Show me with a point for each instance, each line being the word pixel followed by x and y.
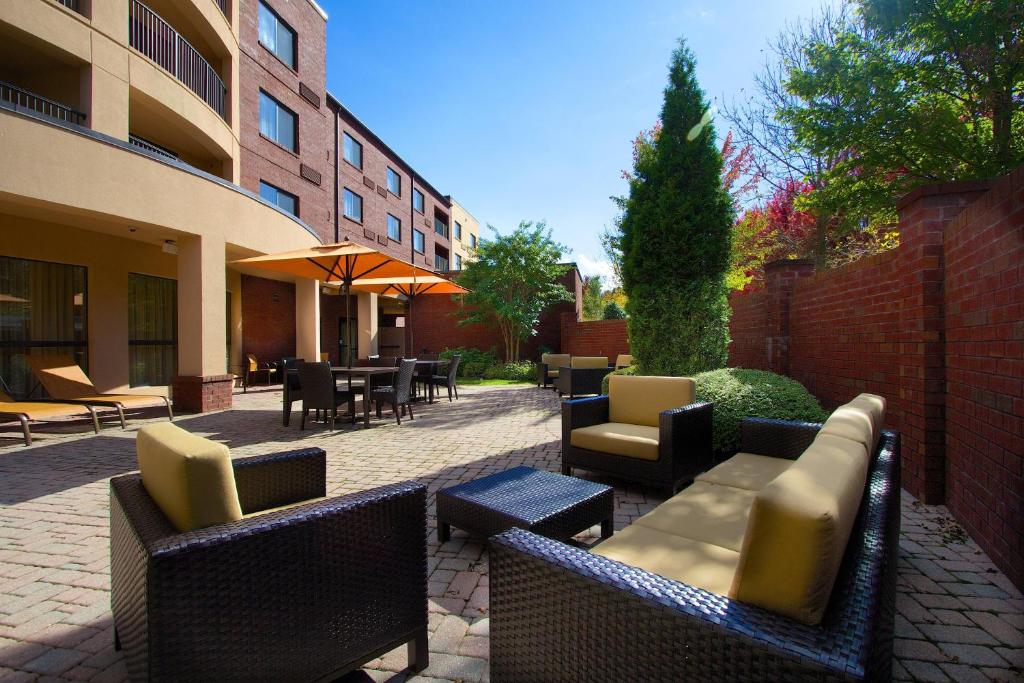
pixel 588 362
pixel 189 478
pixel 860 420
pixel 640 400
pixel 555 360
pixel 798 529
pixel 623 360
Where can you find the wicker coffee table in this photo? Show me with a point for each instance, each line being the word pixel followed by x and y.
pixel 546 503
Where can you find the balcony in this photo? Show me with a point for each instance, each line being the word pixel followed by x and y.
pixel 440 263
pixel 151 147
pixel 152 36
pixel 26 100
pixel 71 5
pixel 440 227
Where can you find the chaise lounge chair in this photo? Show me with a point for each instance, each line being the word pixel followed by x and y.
pixel 31 411
pixel 65 382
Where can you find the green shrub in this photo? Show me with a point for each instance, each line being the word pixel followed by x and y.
pixel 522 371
pixel 614 311
pixel 474 361
pixel 631 370
pixel 739 393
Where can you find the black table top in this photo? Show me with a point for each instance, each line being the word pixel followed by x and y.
pixel 526 493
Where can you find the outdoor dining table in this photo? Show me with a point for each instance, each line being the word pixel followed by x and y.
pixel 357 371
pixel 431 366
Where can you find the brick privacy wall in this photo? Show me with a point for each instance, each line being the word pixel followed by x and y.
pixel 594 337
pixel 268 318
pixel 984 360
pixel 259 69
pixel 937 327
pixel 435 326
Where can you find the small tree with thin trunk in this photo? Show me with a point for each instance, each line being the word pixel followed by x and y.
pixel 511 281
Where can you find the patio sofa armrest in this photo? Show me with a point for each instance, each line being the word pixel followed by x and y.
pixel 585 380
pixel 268 481
pixel 583 412
pixel 547 599
pixel 321 586
pixel 685 436
pixel 776 438
pixel 542 374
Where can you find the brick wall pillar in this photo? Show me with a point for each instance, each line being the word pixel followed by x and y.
pixel 779 278
pixel 923 215
pixel 202 394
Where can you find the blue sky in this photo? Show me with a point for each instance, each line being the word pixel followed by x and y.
pixel 526 109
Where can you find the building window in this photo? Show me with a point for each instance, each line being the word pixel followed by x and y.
pixel 277 122
pixel 353 206
pixel 353 151
pixel 440 227
pixel 458 260
pixel 152 330
pixel 417 242
pixel 472 241
pixel 394 182
pixel 280 198
pixel 394 228
pixel 42 311
pixel 417 200
pixel 277 36
pixel 458 231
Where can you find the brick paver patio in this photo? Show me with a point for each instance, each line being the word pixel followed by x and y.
pixel 959 618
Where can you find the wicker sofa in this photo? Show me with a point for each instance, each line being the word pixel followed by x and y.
pixel 647 429
pixel 784 606
pixel 582 376
pixel 218 574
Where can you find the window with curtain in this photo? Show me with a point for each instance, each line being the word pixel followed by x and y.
pixel 278 197
pixel 417 241
pixel 353 151
pixel 277 122
pixel 394 182
pixel 277 36
pixel 458 262
pixel 458 231
pixel 394 228
pixel 353 206
pixel 472 241
pixel 152 330
pixel 417 200
pixel 43 310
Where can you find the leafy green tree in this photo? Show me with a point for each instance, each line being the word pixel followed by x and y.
pixel 592 304
pixel 513 278
pixel 923 91
pixel 675 236
pixel 613 311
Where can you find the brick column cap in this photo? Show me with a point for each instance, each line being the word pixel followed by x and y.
pixel 788 262
pixel 957 187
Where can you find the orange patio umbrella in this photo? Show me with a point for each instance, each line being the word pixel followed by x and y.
pixel 410 288
pixel 342 263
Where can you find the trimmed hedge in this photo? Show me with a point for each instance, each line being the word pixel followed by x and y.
pixel 739 393
pixel 474 362
pixel 523 371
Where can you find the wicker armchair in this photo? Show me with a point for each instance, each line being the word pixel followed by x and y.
pixel 547 596
pixel 253 369
pixel 583 376
pixel 684 445
pixel 549 366
pixel 309 592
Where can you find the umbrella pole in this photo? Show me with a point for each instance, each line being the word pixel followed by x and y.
pixel 412 346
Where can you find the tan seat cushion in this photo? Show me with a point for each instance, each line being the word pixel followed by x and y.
pixel 257 513
pixel 556 360
pixel 552 373
pixel 798 529
pixel 623 360
pixel 704 512
pixel 189 478
pixel 588 362
pixel 630 440
pixel 703 565
pixel 640 400
pixel 746 471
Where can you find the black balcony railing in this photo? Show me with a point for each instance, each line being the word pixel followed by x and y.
pixel 223 4
pixel 440 263
pixel 441 228
pixel 23 99
pixel 151 146
pixel 152 36
pixel 71 4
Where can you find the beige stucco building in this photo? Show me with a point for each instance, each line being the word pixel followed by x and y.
pixel 465 235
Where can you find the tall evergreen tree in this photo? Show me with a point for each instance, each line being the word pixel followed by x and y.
pixel 676 232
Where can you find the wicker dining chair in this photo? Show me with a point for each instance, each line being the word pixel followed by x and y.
pixel 397 395
pixel 449 379
pixel 291 382
pixel 319 392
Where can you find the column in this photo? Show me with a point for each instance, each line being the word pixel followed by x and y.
pixel 203 382
pixel 369 343
pixel 779 277
pixel 307 319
